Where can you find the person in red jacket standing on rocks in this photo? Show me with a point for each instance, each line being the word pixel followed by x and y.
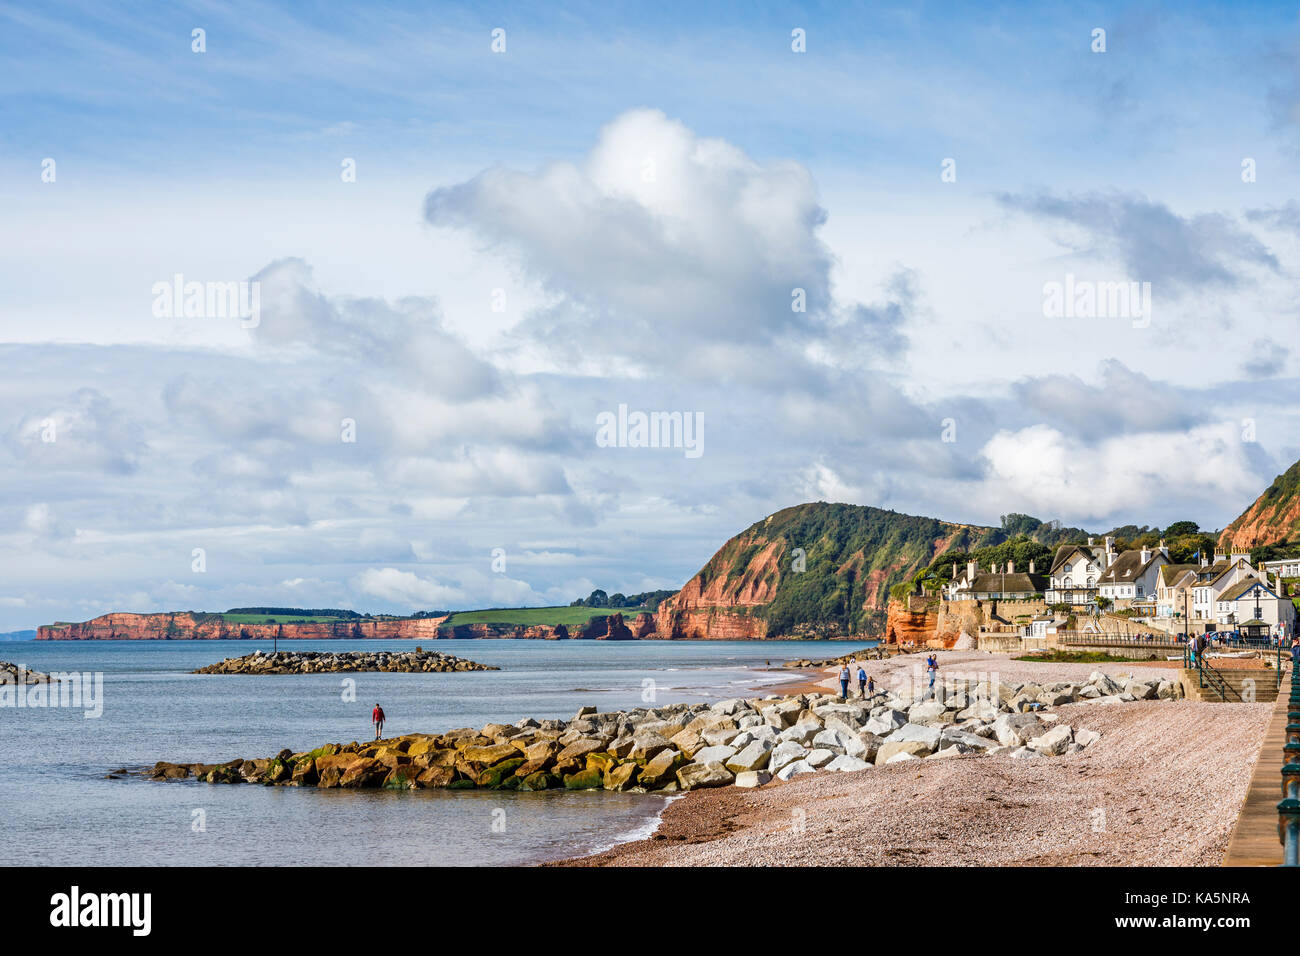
pixel 377 718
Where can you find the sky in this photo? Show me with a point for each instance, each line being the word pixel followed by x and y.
pixel 830 236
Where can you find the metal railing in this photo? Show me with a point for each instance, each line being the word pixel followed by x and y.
pixel 1207 675
pixel 1288 811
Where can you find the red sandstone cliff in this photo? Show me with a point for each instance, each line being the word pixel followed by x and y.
pixel 186 626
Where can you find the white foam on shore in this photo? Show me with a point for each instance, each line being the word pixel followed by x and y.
pixel 644 831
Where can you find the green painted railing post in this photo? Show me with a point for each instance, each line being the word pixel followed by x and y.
pixel 1288 830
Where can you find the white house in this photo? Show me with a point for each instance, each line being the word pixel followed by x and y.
pixel 1174 584
pixel 1213 579
pixel 1285 567
pixel 1076 569
pixel 1132 576
pixel 1251 599
pixel 997 583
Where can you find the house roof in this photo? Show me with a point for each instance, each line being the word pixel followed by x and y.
pixel 1171 573
pixel 997 583
pixel 1244 587
pixel 1066 551
pixel 1129 566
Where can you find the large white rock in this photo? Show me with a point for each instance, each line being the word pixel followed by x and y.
pixel 1020 753
pixel 754 757
pixel 801 733
pixel 926 735
pixel 900 757
pixel 953 751
pixel 752 778
pixel 713 755
pixel 1014 729
pixel 786 752
pixel 926 711
pixel 720 737
pixel 794 768
pixel 951 737
pixel 890 748
pixel 1084 737
pixel 847 764
pixel 820 757
pixel 835 740
pixel 885 722
pixel 1054 742
pixel 695 776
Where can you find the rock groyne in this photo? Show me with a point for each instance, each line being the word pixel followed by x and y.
pixel 325 662
pixel 746 742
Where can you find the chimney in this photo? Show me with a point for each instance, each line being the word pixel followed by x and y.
pixel 1204 560
pixel 1011 567
pixel 1145 554
pixel 1164 550
pixel 954 570
pixel 1031 566
pixel 1090 542
pixel 970 571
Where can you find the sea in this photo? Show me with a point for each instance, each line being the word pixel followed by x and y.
pixel 59 807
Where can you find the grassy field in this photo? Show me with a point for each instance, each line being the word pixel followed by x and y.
pixel 547 616
pixel 1075 657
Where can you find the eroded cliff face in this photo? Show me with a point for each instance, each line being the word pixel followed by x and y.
pixel 1274 518
pixel 185 626
pixel 930 622
pixel 908 622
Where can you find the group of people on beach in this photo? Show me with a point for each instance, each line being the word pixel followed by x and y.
pixel 866 684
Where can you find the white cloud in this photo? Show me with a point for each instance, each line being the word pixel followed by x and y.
pixel 1136 477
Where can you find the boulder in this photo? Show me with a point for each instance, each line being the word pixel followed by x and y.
pixel 696 776
pixel 1012 730
pixel 714 755
pixel 926 711
pixel 892 748
pixel 785 753
pixel 834 740
pixel 801 733
pixel 752 778
pixel 819 757
pixel 1054 742
pixel 898 758
pixel 645 744
pixel 1086 738
pixel 660 769
pixel 885 722
pixel 620 777
pixel 964 742
pixel 847 764
pixel 794 768
pixel 753 757
pixel 916 732
pixel 1020 753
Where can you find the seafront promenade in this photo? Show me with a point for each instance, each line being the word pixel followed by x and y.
pixel 1254 839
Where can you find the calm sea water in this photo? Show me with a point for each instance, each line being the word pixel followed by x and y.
pixel 57 808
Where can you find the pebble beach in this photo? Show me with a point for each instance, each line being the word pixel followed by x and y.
pixel 1161 787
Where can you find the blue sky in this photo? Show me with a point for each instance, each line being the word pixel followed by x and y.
pixel 524 172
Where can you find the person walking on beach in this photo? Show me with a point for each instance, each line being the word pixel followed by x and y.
pixel 844 682
pixel 377 718
pixel 862 683
pixel 932 665
pixel 871 687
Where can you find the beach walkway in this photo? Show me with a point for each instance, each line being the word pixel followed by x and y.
pixel 1254 840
